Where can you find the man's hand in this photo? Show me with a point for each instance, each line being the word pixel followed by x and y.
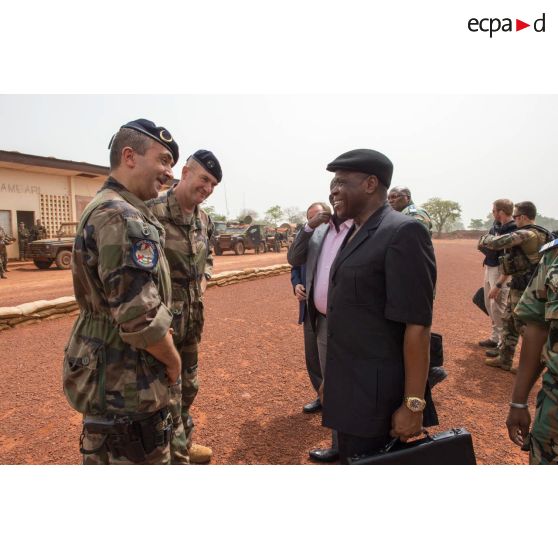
pixel 518 423
pixel 405 424
pixel 494 293
pixel 319 219
pixel 203 284
pixel 321 393
pixel 300 292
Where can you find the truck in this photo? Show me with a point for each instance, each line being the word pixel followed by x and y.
pixel 238 238
pixel 55 250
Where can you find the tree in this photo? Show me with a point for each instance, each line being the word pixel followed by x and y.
pixel 274 214
pixel 547 222
pixel 477 224
pixel 294 215
pixel 210 210
pixel 442 212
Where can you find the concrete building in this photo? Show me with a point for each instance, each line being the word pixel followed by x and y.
pixel 53 190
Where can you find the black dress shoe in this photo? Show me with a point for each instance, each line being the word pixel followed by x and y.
pixel 328 455
pixel 312 407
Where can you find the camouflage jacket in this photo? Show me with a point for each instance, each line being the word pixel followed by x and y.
pixel 539 304
pixel 122 286
pixel 421 215
pixel 189 254
pixel 521 251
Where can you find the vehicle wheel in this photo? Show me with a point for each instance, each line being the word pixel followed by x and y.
pixel 43 265
pixel 239 248
pixel 217 250
pixel 63 259
pixel 262 247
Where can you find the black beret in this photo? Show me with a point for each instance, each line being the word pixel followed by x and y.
pixel 157 133
pixel 367 161
pixel 209 162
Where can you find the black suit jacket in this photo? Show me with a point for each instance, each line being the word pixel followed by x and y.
pixel 381 280
pixel 298 277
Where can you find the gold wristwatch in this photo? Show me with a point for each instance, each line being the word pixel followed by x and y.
pixel 415 404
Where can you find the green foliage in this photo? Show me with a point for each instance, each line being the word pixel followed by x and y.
pixel 477 224
pixel 274 214
pixel 210 210
pixel 442 212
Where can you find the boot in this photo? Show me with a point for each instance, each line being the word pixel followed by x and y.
pixel 199 454
pixel 488 344
pixel 497 362
pixel 492 353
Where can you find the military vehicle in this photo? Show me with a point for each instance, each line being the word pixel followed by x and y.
pixel 238 238
pixel 49 250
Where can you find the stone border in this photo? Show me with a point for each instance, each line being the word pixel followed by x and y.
pixel 30 312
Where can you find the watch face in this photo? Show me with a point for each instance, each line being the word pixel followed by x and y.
pixel 415 404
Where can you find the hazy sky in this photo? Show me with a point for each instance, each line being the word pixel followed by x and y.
pixel 274 149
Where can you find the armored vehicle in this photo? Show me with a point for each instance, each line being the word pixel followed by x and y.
pixel 45 252
pixel 239 238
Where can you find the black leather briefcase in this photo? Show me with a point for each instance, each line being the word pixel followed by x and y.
pixel 478 300
pixel 453 447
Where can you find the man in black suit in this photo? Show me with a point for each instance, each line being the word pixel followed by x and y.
pixel 379 312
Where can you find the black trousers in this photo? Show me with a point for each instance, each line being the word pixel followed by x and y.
pixel 351 446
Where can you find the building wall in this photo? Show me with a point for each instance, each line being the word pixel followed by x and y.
pixel 51 197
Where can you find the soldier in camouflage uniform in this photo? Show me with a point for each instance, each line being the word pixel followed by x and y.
pixel 23 241
pixel 521 255
pixel 400 199
pixel 120 361
pixel 188 233
pixel 538 308
pixel 38 232
pixel 5 239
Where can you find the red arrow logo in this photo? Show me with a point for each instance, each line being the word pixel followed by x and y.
pixel 519 25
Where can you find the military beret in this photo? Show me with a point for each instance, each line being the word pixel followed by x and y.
pixel 209 162
pixel 367 161
pixel 157 133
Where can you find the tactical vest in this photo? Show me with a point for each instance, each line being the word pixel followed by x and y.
pixel 521 265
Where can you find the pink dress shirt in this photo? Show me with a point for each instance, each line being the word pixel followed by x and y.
pixel 331 244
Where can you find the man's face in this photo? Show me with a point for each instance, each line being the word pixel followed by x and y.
pixel 152 171
pixel 398 200
pixel 198 183
pixel 496 214
pixel 348 193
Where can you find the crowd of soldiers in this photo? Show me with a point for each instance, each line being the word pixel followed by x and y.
pixel 24 237
pixel 521 298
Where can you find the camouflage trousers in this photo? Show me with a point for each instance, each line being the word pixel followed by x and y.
pixel 4 256
pixel 543 438
pixel 512 327
pixel 183 394
pixel 159 456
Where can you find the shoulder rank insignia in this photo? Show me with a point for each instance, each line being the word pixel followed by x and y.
pixel 548 245
pixel 145 254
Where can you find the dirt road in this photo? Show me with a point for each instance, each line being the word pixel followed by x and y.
pixel 253 380
pixel 26 283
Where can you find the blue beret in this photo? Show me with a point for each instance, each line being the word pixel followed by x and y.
pixel 367 161
pixel 209 162
pixel 157 133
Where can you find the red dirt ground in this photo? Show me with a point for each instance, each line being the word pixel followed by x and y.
pixel 26 283
pixel 252 375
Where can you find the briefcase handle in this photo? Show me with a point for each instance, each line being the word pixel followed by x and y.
pixel 389 446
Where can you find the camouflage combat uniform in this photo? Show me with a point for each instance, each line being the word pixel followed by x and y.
pixel 38 232
pixel 23 242
pixel 122 286
pixel 539 304
pixel 522 245
pixel 4 240
pixel 421 215
pixel 188 251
